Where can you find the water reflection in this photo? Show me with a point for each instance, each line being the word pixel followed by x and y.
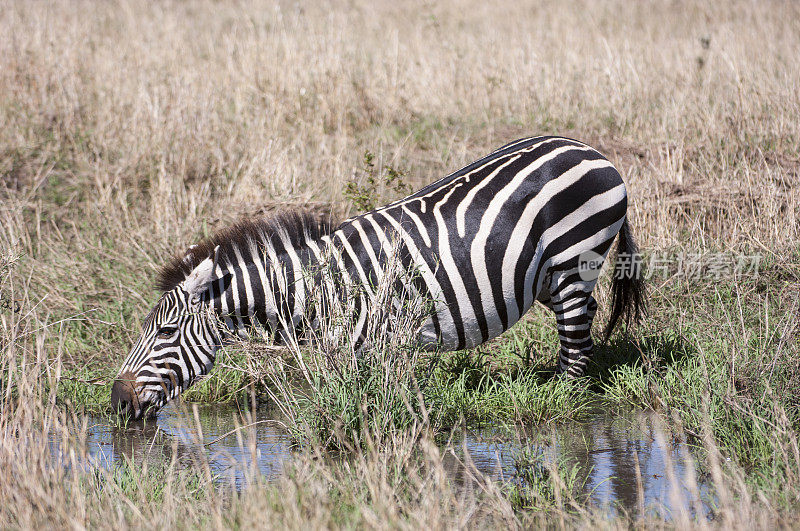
pixel 632 463
pixel 623 461
pixel 234 443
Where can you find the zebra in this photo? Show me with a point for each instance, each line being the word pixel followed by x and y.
pixel 488 240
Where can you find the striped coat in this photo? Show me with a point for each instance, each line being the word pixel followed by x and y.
pixel 485 242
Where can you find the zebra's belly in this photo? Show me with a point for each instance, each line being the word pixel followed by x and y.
pixel 466 319
pixel 444 333
pixel 449 339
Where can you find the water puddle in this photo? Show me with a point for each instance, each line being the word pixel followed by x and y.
pixel 618 462
pixel 615 457
pixel 177 433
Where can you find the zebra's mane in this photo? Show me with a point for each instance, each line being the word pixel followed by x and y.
pixel 245 236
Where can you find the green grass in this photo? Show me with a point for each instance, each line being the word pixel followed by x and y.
pixel 539 484
pixel 235 378
pixel 467 386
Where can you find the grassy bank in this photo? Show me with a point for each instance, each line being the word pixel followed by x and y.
pixel 129 130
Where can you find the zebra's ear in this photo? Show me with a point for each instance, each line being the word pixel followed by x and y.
pixel 187 259
pixel 201 276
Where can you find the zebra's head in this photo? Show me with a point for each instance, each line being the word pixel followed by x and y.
pixel 177 347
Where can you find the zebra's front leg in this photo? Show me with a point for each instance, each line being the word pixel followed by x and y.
pixel 574 315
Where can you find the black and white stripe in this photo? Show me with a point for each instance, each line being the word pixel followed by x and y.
pixel 486 242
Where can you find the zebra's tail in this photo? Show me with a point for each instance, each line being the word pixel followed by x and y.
pixel 627 286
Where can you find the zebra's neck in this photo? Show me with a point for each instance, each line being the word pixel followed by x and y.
pixel 265 290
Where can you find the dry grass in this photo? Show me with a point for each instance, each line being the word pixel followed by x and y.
pixel 129 129
pixel 406 481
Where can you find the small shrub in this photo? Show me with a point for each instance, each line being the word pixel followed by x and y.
pixel 372 191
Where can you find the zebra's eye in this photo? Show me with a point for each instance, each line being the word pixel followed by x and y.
pixel 166 332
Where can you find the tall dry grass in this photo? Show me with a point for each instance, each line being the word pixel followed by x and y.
pixel 406 481
pixel 129 129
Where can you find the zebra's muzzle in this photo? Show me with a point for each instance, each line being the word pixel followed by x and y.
pixel 123 396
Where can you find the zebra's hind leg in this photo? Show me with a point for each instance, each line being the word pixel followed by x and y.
pixel 574 306
pixel 591 309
